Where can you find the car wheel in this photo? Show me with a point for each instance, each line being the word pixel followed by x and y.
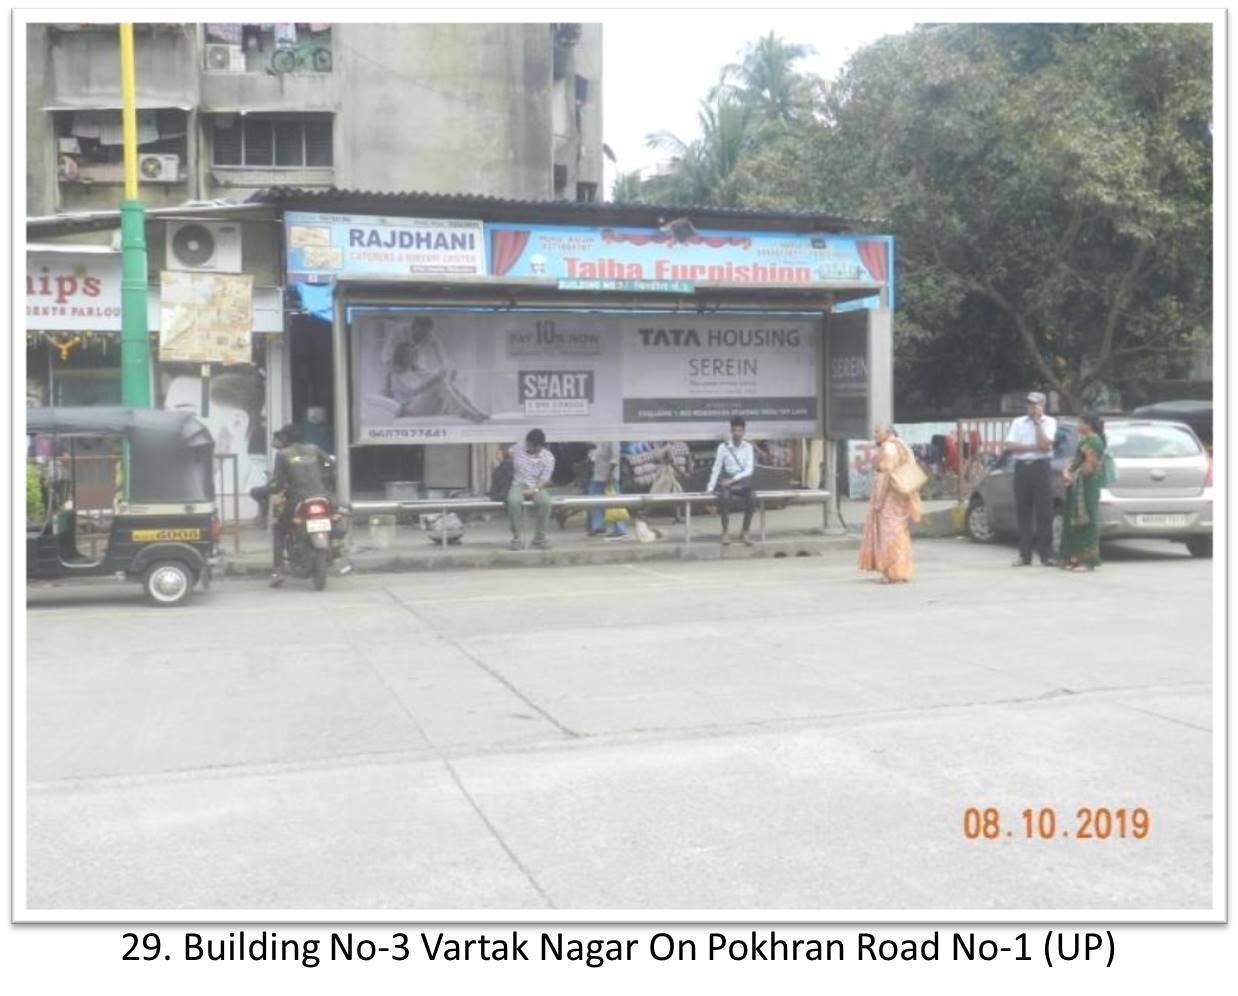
pixel 979 528
pixel 168 583
pixel 1200 546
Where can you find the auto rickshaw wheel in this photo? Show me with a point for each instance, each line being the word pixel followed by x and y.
pixel 168 583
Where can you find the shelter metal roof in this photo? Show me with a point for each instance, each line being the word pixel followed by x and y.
pixel 71 223
pixel 118 421
pixel 333 200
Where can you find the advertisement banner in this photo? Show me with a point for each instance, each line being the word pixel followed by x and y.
pixel 73 291
pixel 323 246
pixel 452 377
pixel 848 377
pixel 635 255
pixel 206 317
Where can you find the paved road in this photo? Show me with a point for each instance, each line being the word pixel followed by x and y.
pixel 773 734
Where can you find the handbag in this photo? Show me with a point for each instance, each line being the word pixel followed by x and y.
pixel 907 478
pixel 1108 470
pixel 616 514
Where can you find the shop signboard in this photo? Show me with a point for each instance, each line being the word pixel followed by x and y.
pixel 206 317
pixel 472 377
pixel 73 291
pixel 79 291
pixel 684 255
pixel 321 247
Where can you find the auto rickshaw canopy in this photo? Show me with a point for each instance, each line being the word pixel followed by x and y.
pixel 170 454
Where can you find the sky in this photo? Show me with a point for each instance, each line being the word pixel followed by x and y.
pixel 657 67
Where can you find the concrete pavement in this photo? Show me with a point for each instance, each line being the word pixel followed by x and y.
pixel 761 734
pixel 794 531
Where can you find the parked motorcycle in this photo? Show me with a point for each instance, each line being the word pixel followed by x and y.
pixel 312 542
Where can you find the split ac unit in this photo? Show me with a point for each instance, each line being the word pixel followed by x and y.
pixel 159 168
pixel 213 246
pixel 225 58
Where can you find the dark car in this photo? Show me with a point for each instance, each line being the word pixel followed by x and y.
pixel 1163 490
pixel 1196 414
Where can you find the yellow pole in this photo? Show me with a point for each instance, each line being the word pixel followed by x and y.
pixel 128 113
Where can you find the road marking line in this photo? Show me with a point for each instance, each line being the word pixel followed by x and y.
pixel 640 569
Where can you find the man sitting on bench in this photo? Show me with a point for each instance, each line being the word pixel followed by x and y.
pixel 532 468
pixel 732 479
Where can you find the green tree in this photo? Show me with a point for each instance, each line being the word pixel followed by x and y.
pixel 765 77
pixel 709 169
pixel 627 188
pixel 1049 187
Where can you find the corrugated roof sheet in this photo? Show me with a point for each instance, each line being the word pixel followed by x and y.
pixel 334 199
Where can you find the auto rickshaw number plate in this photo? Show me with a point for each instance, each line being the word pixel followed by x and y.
pixel 153 535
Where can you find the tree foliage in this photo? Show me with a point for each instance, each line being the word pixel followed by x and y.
pixel 765 77
pixel 756 100
pixel 1049 188
pixel 709 169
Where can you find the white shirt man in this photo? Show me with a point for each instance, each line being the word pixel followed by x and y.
pixel 731 477
pixel 1030 440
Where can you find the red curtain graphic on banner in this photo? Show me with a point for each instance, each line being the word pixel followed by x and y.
pixel 505 248
pixel 873 256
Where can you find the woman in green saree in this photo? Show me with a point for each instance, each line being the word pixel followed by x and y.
pixel 1081 522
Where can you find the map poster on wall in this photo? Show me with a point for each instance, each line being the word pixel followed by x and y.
pixel 206 317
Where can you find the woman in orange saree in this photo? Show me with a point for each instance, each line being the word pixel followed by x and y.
pixel 886 543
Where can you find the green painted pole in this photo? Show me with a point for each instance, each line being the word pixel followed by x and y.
pixel 134 341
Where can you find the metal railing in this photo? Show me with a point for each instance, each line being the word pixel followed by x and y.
pixel 233 526
pixel 978 444
pixel 640 501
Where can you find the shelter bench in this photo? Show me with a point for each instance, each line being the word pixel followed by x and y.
pixel 686 499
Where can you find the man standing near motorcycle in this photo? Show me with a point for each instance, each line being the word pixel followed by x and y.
pixel 298 475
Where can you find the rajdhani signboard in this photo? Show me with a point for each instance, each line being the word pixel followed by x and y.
pixel 322 247
pixel 464 377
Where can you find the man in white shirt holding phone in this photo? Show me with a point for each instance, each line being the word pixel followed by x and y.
pixel 1031 441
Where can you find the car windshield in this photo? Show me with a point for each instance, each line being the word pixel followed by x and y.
pixel 1150 441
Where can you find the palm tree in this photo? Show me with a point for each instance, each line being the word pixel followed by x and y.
pixel 765 77
pixel 707 171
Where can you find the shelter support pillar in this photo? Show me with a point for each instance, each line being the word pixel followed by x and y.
pixel 343 404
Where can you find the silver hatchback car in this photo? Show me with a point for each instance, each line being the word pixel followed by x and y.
pixel 1163 490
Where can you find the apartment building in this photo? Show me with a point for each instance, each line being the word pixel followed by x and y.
pixel 228 109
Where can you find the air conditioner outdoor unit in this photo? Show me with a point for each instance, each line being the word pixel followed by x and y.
pixel 225 58
pixel 159 168
pixel 213 246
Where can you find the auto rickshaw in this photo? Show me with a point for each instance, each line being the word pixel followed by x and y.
pixel 160 527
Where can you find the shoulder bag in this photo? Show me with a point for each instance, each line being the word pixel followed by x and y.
pixel 907 478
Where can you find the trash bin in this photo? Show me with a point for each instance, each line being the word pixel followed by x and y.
pixel 382 531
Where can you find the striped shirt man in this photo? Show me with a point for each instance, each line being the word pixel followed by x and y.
pixel 531 470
